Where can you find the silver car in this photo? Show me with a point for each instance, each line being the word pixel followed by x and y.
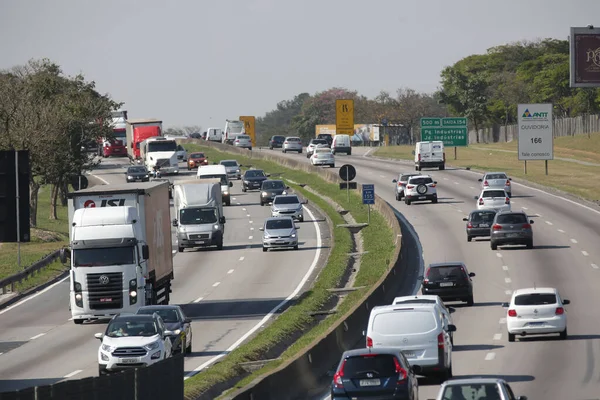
pixel 233 168
pixel 288 206
pixel 243 141
pixel 314 143
pixel 496 180
pixel 280 232
pixel 292 143
pixel 477 388
pixel 401 184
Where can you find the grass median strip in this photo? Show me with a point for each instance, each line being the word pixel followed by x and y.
pixel 377 240
pixel 577 178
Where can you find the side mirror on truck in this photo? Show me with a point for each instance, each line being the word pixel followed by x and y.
pixel 174 222
pixel 145 252
pixel 230 184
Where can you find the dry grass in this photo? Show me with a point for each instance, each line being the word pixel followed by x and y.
pixel 577 179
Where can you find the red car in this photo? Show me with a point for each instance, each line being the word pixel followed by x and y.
pixel 196 160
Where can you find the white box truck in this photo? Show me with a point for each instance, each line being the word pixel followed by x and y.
pixel 430 155
pixel 217 172
pixel 199 217
pixel 120 249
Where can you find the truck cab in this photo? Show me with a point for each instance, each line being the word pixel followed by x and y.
pixel 160 152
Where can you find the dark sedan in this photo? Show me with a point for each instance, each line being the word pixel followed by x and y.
pixel 176 322
pixel 276 142
pixel 137 174
pixel 270 189
pixel 253 179
pixel 479 223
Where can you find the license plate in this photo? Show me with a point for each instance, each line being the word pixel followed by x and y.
pixel 446 284
pixel 422 197
pixel 105 300
pixel 484 225
pixel 370 382
pixel 280 242
pixel 130 360
pixel 408 354
pixel 536 323
pixel 512 235
pixel 200 242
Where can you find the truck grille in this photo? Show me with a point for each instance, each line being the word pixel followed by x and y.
pixel 129 352
pixel 200 236
pixel 163 162
pixel 105 290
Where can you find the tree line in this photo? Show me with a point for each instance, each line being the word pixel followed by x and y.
pixel 52 115
pixel 485 88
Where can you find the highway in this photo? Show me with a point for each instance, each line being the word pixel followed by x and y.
pixel 566 255
pixel 229 294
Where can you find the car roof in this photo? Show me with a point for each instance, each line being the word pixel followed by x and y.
pixel 401 307
pixel 278 218
pixel 491 173
pixel 512 212
pixel 378 350
pixel 472 381
pixel 227 161
pixel 420 176
pixel 485 210
pixel 409 173
pixel 535 290
pixel 429 297
pixel 447 264
pixel 288 195
pixel 160 307
pixel 134 317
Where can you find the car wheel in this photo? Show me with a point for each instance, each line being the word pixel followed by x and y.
pixel 243 189
pixel 180 249
pixel 188 349
pixel 262 204
pixel 102 372
pixel 264 249
pixel 220 245
pixel 407 202
pixel 332 165
pixel 469 238
pixel 397 197
pixel 563 335
pixel 301 219
pixel 470 301
pixel 442 167
pixel 307 155
pixel 511 337
pixel 494 246
pixel 296 247
pixel 299 151
pixel 283 151
pixel 78 321
pixel 434 201
pixel 530 244
pixel 228 202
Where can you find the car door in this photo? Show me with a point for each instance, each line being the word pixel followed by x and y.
pixel 166 340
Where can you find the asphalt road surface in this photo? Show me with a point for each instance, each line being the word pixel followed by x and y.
pixel 229 294
pixel 566 255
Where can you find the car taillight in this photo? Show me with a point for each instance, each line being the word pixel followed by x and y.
pixel 410 186
pixel 560 311
pixel 316 156
pixel 507 182
pixel 402 374
pixel 441 341
pixel 337 378
pixel 512 313
pixel 369 342
pixel 285 142
pixel 432 185
pixel 469 225
pixel 237 140
pixel 507 200
pixel 485 183
pixel 419 157
pixel 399 183
pixel 481 201
pixel 497 227
pixel 526 226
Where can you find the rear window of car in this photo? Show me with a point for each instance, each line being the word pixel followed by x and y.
pixel 488 194
pixel 318 141
pixel 243 137
pixel 382 363
pixel 229 163
pixel 416 301
pixel 404 322
pixel 440 273
pixel 511 219
pixel 472 392
pixel 483 216
pixel 496 176
pixel 320 150
pixel 535 299
pixel 278 138
pixel 293 139
pixel 404 178
pixel 421 181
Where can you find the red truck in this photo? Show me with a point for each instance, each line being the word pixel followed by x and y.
pixel 137 131
pixel 117 145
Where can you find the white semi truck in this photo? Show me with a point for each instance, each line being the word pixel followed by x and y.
pixel 199 217
pixel 160 152
pixel 120 249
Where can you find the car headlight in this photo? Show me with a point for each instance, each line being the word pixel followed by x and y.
pixel 107 348
pixel 246 182
pixel 293 235
pixel 216 227
pixel 237 170
pixel 152 346
pixel 147 176
pixel 264 194
pixel 226 192
pixel 284 192
pixel 177 331
pixel 129 177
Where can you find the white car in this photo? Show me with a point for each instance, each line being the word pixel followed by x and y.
pixel 420 188
pixel 493 199
pixel 496 180
pixel 322 156
pixel 314 143
pixel 292 143
pixel 433 300
pixel 133 341
pixel 243 141
pixel 536 311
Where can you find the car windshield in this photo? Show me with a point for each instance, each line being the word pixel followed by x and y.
pixel 197 155
pixel 441 273
pixel 535 299
pixel 486 391
pixel 482 216
pixel 286 200
pixel 256 173
pixel 270 185
pixel 421 181
pixel 197 216
pixel 99 257
pixel 381 364
pixel 167 315
pixel 229 163
pixel 279 223
pixel 223 178
pixel 120 328
pixel 318 141
pixel 496 176
pixel 136 170
pixel 511 219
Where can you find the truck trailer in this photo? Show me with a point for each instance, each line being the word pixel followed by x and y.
pixel 120 249
pixel 137 131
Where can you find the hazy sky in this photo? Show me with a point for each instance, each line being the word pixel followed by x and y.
pixel 200 62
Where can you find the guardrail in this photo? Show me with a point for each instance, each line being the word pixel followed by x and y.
pixel 10 281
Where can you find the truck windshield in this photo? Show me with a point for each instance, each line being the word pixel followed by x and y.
pixel 197 216
pixel 162 146
pixel 119 134
pixel 223 178
pixel 99 257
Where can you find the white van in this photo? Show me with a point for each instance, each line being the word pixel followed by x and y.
pixel 431 299
pixel 341 144
pixel 219 172
pixel 418 330
pixel 430 155
pixel 214 134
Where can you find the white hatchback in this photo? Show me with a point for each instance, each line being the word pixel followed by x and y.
pixel 243 141
pixel 536 311
pixel 322 156
pixel 493 199
pixel 292 143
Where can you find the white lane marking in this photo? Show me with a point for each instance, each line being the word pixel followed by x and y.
pixel 251 228
pixel 561 231
pixel 524 208
pixel 445 179
pixel 243 209
pixel 505 267
pixel 70 319
pixel 585 253
pixel 25 300
pixel 239 204
pixel 275 309
pixel 102 179
pixel 382 176
pixel 507 280
pixel 498 336
pixel 471 187
pixel 73 373
pixel 549 223
pixel 456 183
pixel 251 223
pixel 234 198
pixel 508 292
pixel 499 255
pixel 250 237
pixel 216 284
pixel 490 356
pixel 198 300
pixel 459 210
pixel 174 251
pixel 594 266
pixel 37 336
pixel 1 354
pixel 247 215
pixel 230 271
pixel 502 321
pixel 242 258
pixel 573 241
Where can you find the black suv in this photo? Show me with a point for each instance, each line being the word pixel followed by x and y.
pixel 383 373
pixel 253 179
pixel 271 188
pixel 479 223
pixel 327 137
pixel 276 142
pixel 451 281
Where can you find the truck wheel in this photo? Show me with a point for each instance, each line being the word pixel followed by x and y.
pixel 220 245
pixel 442 167
pixel 78 321
pixel 180 249
pixel 228 202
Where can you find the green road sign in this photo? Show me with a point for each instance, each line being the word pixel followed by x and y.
pixel 452 131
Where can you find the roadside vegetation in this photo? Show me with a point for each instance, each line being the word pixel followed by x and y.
pixel 377 240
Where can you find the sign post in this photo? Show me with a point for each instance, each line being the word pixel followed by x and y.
pixel 249 123
pixel 368 198
pixel 536 138
pixel 453 132
pixel 347 174
pixel 344 117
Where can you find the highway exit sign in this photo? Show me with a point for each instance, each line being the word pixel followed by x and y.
pixel 452 131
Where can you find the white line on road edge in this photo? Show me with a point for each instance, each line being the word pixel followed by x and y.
pixel 585 253
pixel 34 295
pixel 198 300
pixel 498 336
pixel 37 336
pixel 230 271
pixel 242 258
pixel 72 374
pixel 490 356
pixel 573 241
pixel 102 179
pixel 216 284
pixel 274 310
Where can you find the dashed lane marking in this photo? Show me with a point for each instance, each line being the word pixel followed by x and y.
pixel 456 183
pixel 549 223
pixel 508 292
pixel 251 222
pixel 507 280
pixel 561 231
pixel 37 336
pixel 524 208
pixel 445 179
pixel 242 258
pixel 198 300
pixel 250 237
pixel 594 266
pixel 490 356
pixel 234 198
pixel 573 241
pixel 498 336
pixel 247 215
pixel 230 271
pixel 72 374
pixel 251 228
pixel 471 187
pixel 243 209
pixel 499 255
pixel 505 267
pixel 216 284
pixel 502 321
pixel 585 253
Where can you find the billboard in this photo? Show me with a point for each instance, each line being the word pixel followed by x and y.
pixel 362 132
pixel 536 139
pixel 584 50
